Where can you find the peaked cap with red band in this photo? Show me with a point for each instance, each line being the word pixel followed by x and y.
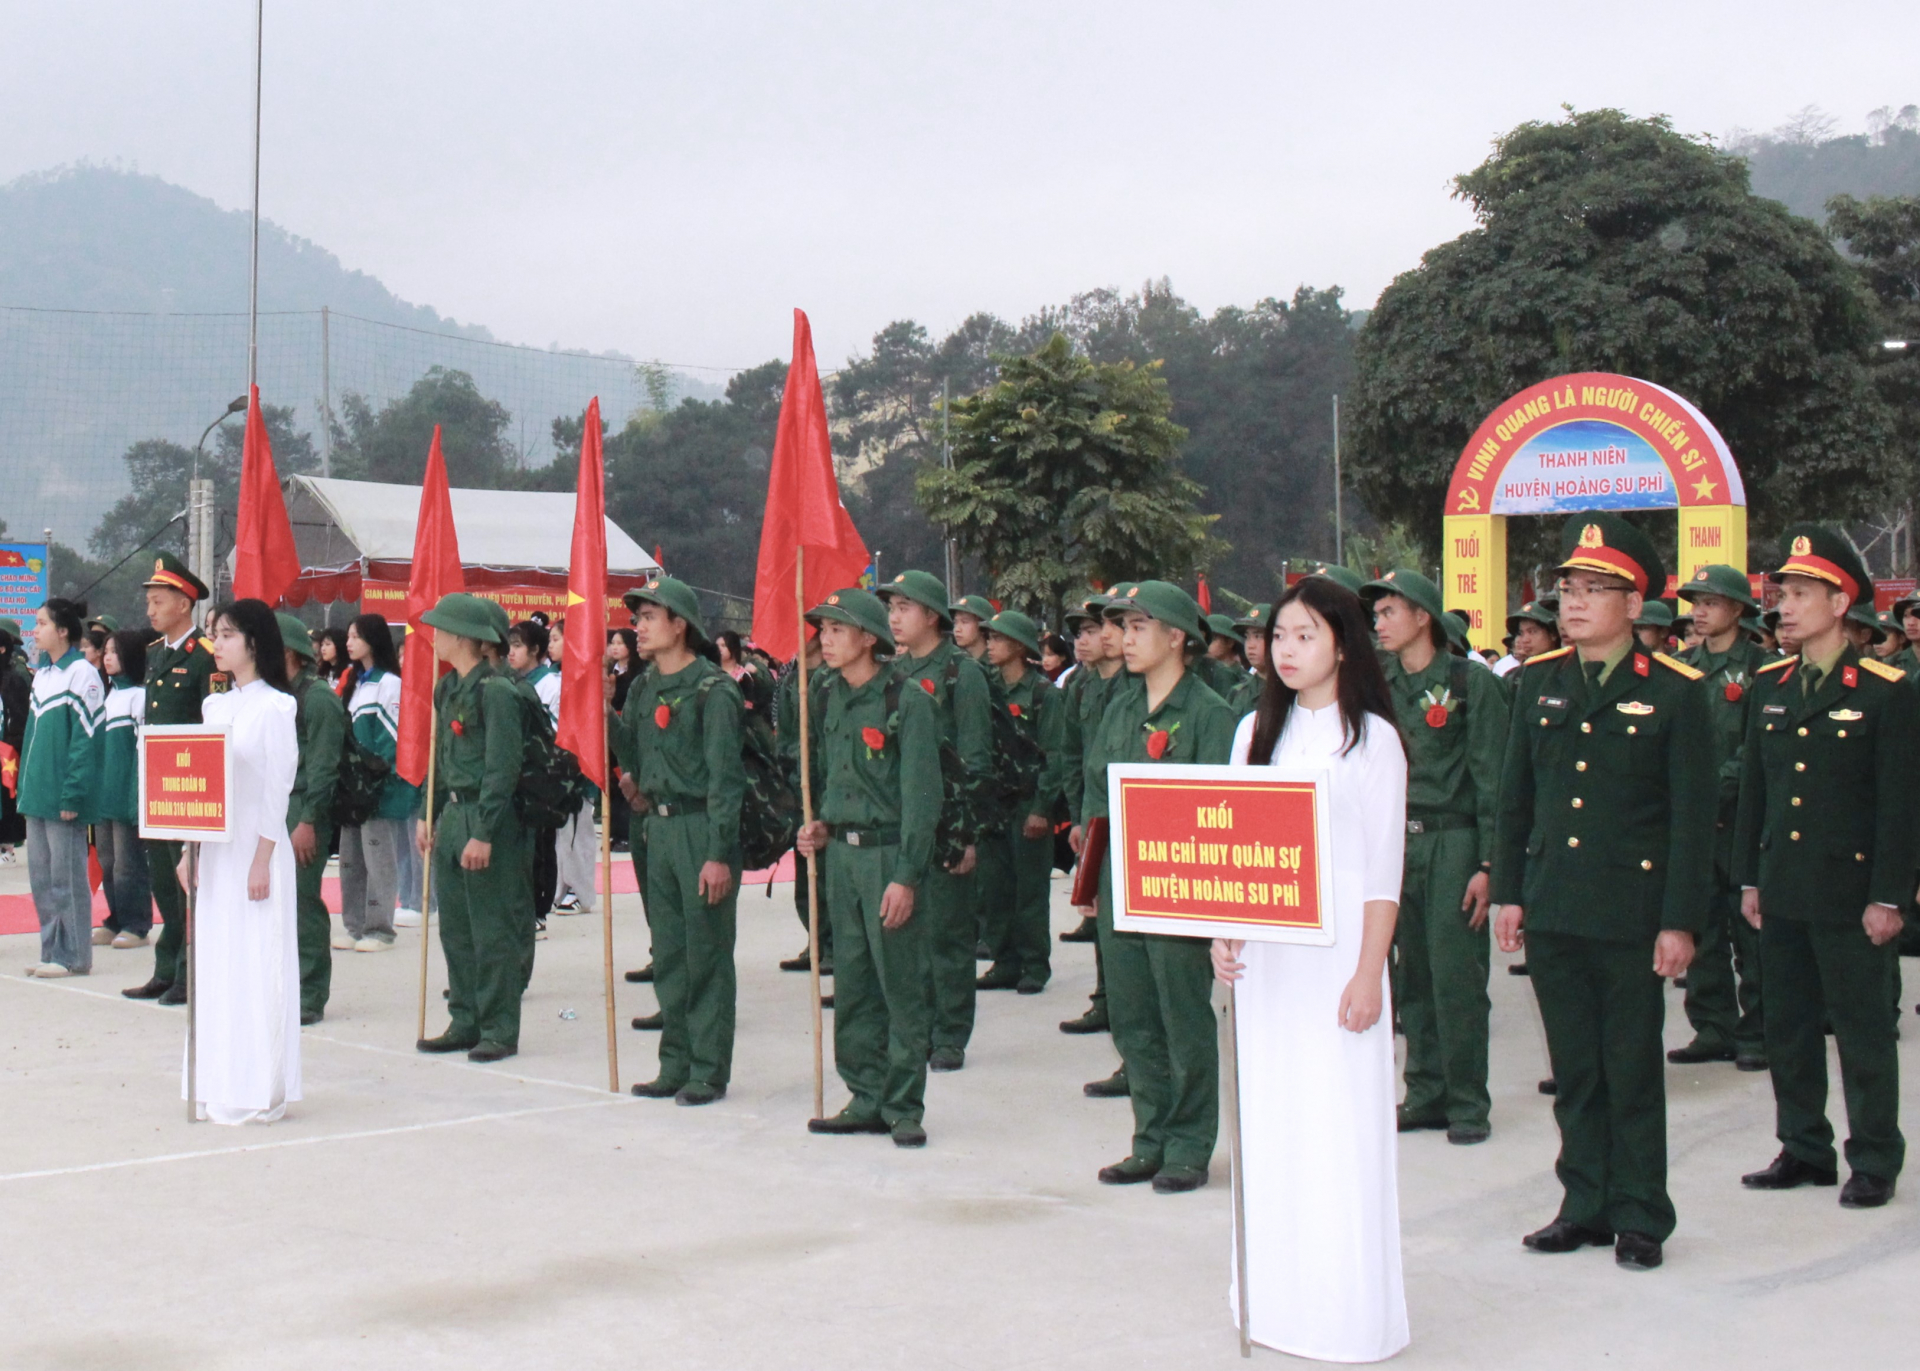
pixel 170 573
pixel 1824 554
pixel 1610 545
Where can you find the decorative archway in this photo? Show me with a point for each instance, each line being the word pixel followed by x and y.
pixel 1587 441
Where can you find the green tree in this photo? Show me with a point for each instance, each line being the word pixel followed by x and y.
pixel 391 444
pixel 1067 470
pixel 1607 243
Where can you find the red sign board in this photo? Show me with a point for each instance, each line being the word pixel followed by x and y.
pixel 186 775
pixel 1219 852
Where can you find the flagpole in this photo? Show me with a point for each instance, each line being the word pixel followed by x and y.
pixel 813 862
pixel 606 928
pixel 193 990
pixel 426 865
pixel 253 267
pixel 1238 1176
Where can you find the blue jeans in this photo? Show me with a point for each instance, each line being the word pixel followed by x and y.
pixel 57 870
pixel 123 872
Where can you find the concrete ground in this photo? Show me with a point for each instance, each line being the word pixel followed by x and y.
pixel 424 1212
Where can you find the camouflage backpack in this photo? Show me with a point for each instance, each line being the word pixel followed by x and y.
pixel 551 788
pixel 770 808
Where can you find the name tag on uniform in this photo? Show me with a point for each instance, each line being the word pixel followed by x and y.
pixel 1552 702
pixel 1633 707
pixel 1773 709
pixel 179 671
pixel 1845 716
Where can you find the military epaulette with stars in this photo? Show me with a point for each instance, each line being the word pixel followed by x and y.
pixel 1882 670
pixel 1554 655
pixel 1780 665
pixel 1675 664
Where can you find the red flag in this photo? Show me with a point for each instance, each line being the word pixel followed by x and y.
pixel 9 769
pixel 435 572
pixel 264 560
pixel 803 509
pixel 583 709
pixel 1205 597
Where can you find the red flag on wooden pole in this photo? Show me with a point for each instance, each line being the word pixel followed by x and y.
pixel 1204 597
pixel 583 708
pixel 803 509
pixel 436 572
pixel 265 562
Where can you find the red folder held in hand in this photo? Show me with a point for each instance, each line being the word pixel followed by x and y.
pixel 1093 856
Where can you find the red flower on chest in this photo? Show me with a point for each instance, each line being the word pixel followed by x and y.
pixel 459 729
pixel 1014 710
pixel 874 739
pixel 1734 691
pixel 926 684
pixel 1157 743
pixel 1436 716
pixel 662 715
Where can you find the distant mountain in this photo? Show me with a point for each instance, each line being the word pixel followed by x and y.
pixel 1803 164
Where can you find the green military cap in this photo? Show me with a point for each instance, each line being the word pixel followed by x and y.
pixel 1824 554
pixel 1340 575
pixel 296 635
pixel 857 607
pixel 977 605
pixel 1752 623
pixel 11 628
pixel 1087 610
pixel 1534 612
pixel 1905 605
pixel 169 571
pixel 465 615
pixel 923 588
pixel 1770 621
pixel 1012 624
pixel 1225 626
pixel 497 616
pixel 1655 614
pixel 1608 544
pixel 1160 600
pixel 1253 618
pixel 1729 583
pixel 1890 626
pixel 1410 586
pixel 1865 616
pixel 676 597
pixel 104 621
pixel 1550 603
pixel 1455 625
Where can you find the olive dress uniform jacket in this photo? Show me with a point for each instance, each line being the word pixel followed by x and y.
pixel 179 679
pixel 1607 799
pixel 1827 811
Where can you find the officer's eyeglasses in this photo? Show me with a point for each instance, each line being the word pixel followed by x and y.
pixel 1586 590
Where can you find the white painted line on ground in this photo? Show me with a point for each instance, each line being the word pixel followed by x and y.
pixel 305 1142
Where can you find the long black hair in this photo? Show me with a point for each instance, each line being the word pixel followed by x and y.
pixel 337 668
pixel 257 625
pixel 1361 685
pixel 373 631
pixel 70 617
pixel 130 646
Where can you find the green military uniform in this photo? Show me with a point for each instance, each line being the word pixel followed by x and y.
pixel 1606 813
pixel 320 719
pixel 786 715
pixel 1160 988
pixel 1825 828
pixel 962 703
pixel 1453 718
pixel 1087 693
pixel 624 729
pixel 686 746
pixel 1236 686
pixel 1016 871
pixel 180 676
pixel 1727 1023
pixel 481 735
pixel 877 750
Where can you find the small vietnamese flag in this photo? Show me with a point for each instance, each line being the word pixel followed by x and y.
pixel 582 729
pixel 435 572
pixel 265 563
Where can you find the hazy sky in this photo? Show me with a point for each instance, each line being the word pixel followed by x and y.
pixel 668 179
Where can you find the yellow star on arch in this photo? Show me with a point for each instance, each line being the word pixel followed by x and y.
pixel 1703 489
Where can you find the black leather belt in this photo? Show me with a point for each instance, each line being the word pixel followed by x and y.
pixel 1441 823
pixel 668 809
pixel 867 837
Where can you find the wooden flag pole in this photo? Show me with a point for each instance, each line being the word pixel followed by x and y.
pixel 806 818
pixel 606 935
pixel 1239 1176
pixel 193 989
pixel 426 862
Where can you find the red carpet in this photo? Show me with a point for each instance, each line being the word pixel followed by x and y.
pixel 17 914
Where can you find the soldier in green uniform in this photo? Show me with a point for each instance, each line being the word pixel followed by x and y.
pixel 620 728
pixel 1253 639
pixel 1825 855
pixel 1454 721
pixel 876 747
pixel 1016 859
pixel 786 715
pixel 1159 988
pixel 930 662
pixel 1906 613
pixel 1226 673
pixel 320 718
pixel 1340 575
pixel 482 854
pixel 1606 817
pixel 1728 1024
pixel 1654 625
pixel 180 675
pixel 1096 684
pixel 970 614
pixel 1084 626
pixel 686 749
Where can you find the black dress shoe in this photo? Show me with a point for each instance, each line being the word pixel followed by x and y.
pixel 909 1133
pixel 309 1017
pixel 1093 1021
pixel 846 1122
pixel 152 990
pixel 1030 985
pixel 1114 1087
pixel 1517 969
pixel 1749 1061
pixel 1549 1086
pixel 446 1042
pixel 826 1002
pixel 1408 1121
pixel 485 1051
pixel 801 963
pixel 1177 1180
pixel 175 994
pixel 1088 931
pixel 1694 1053
pixel 699 1092
pixel 1468 1134
pixel 658 1090
pixel 1865 1192
pixel 1131 1171
pixel 642 976
pixel 998 977
pixel 1637 1252
pixel 1787 1172
pixel 1564 1235
pixel 650 1023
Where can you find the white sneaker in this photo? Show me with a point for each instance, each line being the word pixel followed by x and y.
pixel 6 856
pixel 406 918
pixel 123 941
pixel 48 971
pixel 371 945
pixel 102 936
pixel 342 942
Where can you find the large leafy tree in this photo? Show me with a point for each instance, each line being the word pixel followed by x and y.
pixel 1067 470
pixel 390 443
pixel 1607 243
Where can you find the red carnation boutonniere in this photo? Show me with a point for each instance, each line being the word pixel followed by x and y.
pixel 459 729
pixel 1157 743
pixel 1733 692
pixel 1014 710
pixel 1440 704
pixel 662 715
pixel 926 684
pixel 875 740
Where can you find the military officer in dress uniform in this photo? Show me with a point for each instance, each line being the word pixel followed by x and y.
pixel 1606 815
pixel 320 719
pixel 1727 1027
pixel 1825 853
pixel 180 675
pixel 1454 721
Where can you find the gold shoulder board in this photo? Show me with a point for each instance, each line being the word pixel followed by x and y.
pixel 1675 664
pixel 1882 670
pixel 1549 656
pixel 207 643
pixel 1776 666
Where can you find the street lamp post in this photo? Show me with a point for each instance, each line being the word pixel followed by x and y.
pixel 200 501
